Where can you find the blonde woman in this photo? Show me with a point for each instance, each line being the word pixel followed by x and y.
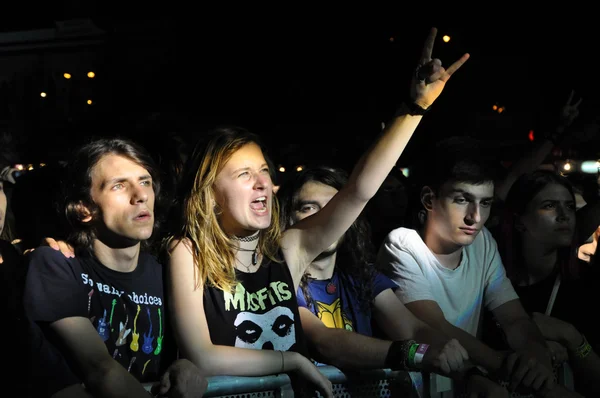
pixel 233 274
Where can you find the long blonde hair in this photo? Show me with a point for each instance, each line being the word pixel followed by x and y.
pixel 212 249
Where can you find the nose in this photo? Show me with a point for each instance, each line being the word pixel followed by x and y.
pixel 262 181
pixel 473 214
pixel 562 214
pixel 139 195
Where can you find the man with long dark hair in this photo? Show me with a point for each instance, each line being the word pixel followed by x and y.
pixel 104 309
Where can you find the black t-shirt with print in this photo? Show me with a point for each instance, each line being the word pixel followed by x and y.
pixel 36 367
pixel 126 308
pixel 262 313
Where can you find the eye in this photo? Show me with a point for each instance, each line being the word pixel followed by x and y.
pixel 549 206
pixel 460 200
pixel 265 170
pixel 118 186
pixel 307 208
pixel 486 203
pixel 244 174
pixel 147 183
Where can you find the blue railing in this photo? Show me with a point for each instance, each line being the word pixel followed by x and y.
pixel 368 383
pixel 359 384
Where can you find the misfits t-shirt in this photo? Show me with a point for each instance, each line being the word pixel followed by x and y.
pixel 126 308
pixel 262 312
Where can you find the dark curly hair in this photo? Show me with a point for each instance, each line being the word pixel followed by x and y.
pixel 355 254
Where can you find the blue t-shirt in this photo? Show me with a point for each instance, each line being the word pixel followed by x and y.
pixel 335 305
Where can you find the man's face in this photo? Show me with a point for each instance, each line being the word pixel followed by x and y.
pixel 310 199
pixel 3 202
pixel 122 190
pixel 459 212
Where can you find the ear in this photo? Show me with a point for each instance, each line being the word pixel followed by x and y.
pixel 427 196
pixel 83 213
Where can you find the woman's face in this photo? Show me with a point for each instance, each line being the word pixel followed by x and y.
pixel 549 217
pixel 244 192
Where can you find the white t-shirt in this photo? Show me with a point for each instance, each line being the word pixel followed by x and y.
pixel 480 279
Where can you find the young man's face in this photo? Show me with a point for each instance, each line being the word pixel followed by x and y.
pixel 310 199
pixel 122 190
pixel 460 211
pixel 2 206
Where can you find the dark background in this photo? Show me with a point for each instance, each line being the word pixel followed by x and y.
pixel 315 83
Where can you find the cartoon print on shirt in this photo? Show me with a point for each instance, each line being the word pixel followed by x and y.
pixel 333 316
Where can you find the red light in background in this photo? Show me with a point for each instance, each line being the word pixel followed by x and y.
pixel 531 136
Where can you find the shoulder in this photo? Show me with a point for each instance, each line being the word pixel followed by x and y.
pixel 402 241
pixel 484 243
pixel 400 235
pixel 46 258
pixel 178 245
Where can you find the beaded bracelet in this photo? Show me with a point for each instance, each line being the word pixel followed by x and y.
pixel 584 349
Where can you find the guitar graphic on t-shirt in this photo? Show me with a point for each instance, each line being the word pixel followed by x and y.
pixel 159 339
pixel 102 328
pixel 135 336
pixel 123 332
pixel 112 311
pixel 148 338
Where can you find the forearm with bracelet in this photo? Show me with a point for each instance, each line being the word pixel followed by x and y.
pixel 405 355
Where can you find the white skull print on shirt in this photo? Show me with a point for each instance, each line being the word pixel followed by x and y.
pixel 273 330
pixel 261 312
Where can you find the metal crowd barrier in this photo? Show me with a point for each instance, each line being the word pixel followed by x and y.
pixel 349 384
pixel 367 383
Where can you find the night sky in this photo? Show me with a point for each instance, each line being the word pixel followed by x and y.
pixel 316 85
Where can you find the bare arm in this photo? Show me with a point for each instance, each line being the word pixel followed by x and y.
pixel 586 367
pixel 400 324
pixel 521 332
pixel 310 237
pixel 102 375
pixel 342 348
pixel 193 336
pixel 349 350
pixel 479 353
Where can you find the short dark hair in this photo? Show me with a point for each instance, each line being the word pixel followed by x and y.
pixel 455 159
pixel 77 183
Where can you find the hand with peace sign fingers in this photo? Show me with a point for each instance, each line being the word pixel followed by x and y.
pixel 431 77
pixel 569 111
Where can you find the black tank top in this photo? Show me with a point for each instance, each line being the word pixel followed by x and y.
pixel 262 312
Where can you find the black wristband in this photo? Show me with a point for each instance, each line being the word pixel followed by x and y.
pixel 397 355
pixel 410 108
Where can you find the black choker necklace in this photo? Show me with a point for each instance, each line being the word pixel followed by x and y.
pixel 250 238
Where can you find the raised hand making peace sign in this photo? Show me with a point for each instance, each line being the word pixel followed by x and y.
pixel 431 77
